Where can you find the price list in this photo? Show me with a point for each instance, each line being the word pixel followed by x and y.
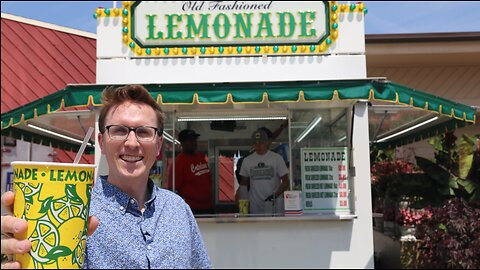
pixel 325 179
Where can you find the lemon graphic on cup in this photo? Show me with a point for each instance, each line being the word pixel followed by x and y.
pixel 73 237
pixel 29 189
pixel 66 207
pixel 79 252
pixel 44 237
pixel 19 210
pixel 47 220
pixel 28 193
pixel 34 208
pixel 53 247
pixel 84 192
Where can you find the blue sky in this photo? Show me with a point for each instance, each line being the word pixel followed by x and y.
pixel 382 18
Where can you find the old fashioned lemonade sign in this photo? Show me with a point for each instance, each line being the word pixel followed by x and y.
pixel 176 28
pixel 228 23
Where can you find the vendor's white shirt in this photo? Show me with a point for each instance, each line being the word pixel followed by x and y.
pixel 265 172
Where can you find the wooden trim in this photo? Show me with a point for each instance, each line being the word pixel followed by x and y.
pixel 422 37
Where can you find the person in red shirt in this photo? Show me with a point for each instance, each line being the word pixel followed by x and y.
pixel 193 180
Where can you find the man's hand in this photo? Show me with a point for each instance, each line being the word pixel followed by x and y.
pixel 11 225
pixel 269 198
pixel 92 225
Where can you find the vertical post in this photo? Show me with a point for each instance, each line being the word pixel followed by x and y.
pixel 290 145
pixel 360 198
pixel 30 151
pixel 174 120
pixel 361 160
pixel 100 160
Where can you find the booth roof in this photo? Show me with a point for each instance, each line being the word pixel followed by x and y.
pixel 14 122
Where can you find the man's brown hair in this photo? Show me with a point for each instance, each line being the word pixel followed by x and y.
pixel 114 96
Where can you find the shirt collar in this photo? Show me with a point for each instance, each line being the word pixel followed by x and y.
pixel 126 202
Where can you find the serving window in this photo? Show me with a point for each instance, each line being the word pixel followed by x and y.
pixel 225 136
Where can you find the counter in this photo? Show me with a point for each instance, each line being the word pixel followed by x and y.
pixel 238 218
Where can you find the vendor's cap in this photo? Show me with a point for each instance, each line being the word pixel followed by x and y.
pixel 260 136
pixel 269 133
pixel 187 134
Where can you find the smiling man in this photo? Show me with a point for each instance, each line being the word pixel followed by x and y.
pixel 140 225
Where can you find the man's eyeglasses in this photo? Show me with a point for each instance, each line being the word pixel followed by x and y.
pixel 143 133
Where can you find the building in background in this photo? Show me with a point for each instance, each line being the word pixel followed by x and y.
pixel 443 64
pixel 39 59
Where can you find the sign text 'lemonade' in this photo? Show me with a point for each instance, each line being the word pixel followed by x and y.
pixel 61 175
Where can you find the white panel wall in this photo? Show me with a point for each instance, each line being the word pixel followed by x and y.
pixel 109 39
pixel 239 69
pixel 351 34
pixel 287 244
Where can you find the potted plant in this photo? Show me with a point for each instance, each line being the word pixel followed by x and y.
pixel 407 219
pixel 385 190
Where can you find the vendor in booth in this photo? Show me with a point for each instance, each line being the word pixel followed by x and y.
pixel 266 173
pixel 193 180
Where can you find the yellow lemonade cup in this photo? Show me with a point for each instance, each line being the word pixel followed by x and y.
pixel 54 198
pixel 243 206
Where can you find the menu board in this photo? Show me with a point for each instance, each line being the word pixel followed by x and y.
pixel 325 182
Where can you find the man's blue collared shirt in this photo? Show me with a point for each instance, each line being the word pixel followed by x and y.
pixel 166 235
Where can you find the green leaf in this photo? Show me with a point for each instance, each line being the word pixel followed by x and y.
pixel 433 170
pixel 89 191
pixel 468 140
pixel 475 198
pixel 453 182
pixel 444 190
pixel 46 205
pixel 29 199
pixel 465 163
pixel 74 258
pixel 436 142
pixel 466 148
pixel 71 191
pixel 442 226
pixel 58 251
pixel 468 185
